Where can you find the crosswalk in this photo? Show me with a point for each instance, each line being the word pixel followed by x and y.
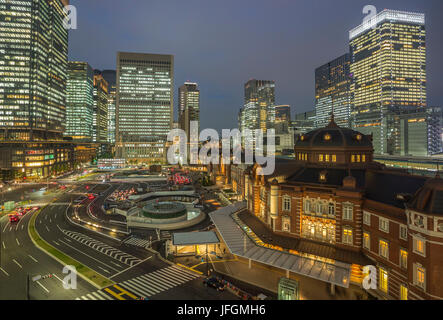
pixel 145 286
pixel 112 252
pixel 137 242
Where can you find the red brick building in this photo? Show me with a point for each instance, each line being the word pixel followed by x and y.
pixel 334 203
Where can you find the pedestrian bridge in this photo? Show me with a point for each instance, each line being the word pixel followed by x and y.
pixel 240 244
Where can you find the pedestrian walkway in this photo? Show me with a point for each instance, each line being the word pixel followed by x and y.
pixel 145 286
pixel 134 241
pixel 103 248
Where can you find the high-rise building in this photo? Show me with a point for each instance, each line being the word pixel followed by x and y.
pixel 100 111
pixel 258 111
pixel 144 106
pixel 388 70
pixel 188 106
pixel 332 95
pixel 111 78
pixel 304 122
pixel 33 79
pixel 282 119
pixel 435 130
pixel 79 101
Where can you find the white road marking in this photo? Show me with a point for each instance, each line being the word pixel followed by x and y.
pixel 88 255
pixel 32 258
pixel 23 227
pixel 10 228
pixel 47 228
pixel 67 239
pixel 56 243
pixel 17 263
pixel 6 225
pixel 58 278
pixel 42 286
pixel 3 245
pixel 18 242
pixel 4 271
pixel 103 269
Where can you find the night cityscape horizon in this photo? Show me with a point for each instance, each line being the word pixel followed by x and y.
pixel 118 184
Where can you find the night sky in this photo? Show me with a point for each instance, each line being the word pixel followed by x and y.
pixel 222 44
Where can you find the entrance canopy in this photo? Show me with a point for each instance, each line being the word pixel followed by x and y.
pixel 194 238
pixel 240 244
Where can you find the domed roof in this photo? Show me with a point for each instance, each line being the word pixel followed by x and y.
pixel 334 136
pixel 429 199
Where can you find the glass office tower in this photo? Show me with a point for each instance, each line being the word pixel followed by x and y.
pixel 100 110
pixel 79 101
pixel 188 106
pixel 388 69
pixel 258 111
pixel 33 79
pixel 144 106
pixel 332 94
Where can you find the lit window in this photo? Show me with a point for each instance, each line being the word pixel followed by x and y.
pixel 403 292
pixel 320 157
pixel 327 158
pixel 347 236
pixel 327 137
pixel 383 281
pixel 419 246
pixel 363 158
pixel 403 259
pixel 334 158
pixel 358 158
pixel 366 241
pixel 383 249
pixel 420 276
pixel 353 158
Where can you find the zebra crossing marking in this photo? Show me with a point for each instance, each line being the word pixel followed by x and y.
pixel 103 248
pixel 137 242
pixel 147 285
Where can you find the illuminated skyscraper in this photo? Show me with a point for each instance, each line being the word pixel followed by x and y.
pixel 111 78
pixel 388 69
pixel 79 101
pixel 33 80
pixel 282 119
pixel 332 81
pixel 188 106
pixel 258 111
pixel 144 106
pixel 100 114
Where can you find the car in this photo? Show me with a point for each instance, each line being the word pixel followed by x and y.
pixel 213 283
pixel 13 218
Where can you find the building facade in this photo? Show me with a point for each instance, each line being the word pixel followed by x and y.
pixel 388 69
pixel 332 92
pixel 100 110
pixel 282 119
pixel 144 109
pixel 188 107
pixel 33 81
pixel 79 101
pixel 334 204
pixel 258 111
pixel 111 78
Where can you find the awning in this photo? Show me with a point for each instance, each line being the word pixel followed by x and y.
pixel 239 243
pixel 194 238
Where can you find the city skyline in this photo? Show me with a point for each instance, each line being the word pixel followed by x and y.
pixel 221 89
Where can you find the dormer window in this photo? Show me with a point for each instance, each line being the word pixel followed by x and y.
pixel 359 137
pixel 327 137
